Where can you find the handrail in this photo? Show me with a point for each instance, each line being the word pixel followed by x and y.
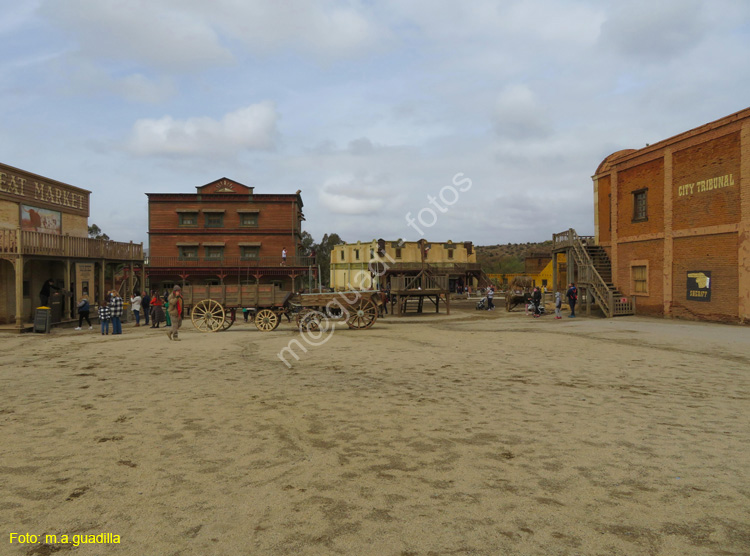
pixel 14 241
pixel 230 262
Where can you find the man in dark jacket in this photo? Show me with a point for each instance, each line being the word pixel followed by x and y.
pixel 536 299
pixel 572 295
pixel 145 302
pixel 47 288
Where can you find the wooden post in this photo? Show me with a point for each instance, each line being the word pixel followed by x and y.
pixel 611 300
pixel 555 278
pixel 67 300
pixel 19 262
pixel 588 302
pixel 102 285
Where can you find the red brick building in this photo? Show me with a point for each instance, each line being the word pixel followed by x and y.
pixel 225 233
pixel 674 218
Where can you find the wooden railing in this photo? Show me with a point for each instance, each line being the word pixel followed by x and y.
pixel 21 242
pixel 230 262
pixel 419 282
pixel 604 295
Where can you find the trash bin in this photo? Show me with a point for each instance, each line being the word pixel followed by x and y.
pixel 43 320
pixel 56 308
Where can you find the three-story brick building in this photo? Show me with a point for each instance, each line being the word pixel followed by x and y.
pixel 225 233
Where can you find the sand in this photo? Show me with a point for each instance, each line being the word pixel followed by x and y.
pixel 479 433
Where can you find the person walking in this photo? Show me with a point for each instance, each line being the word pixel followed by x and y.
pixel 572 295
pixel 558 305
pixel 490 298
pixel 83 311
pixel 115 305
pixel 145 307
pixel 175 312
pixel 104 315
pixel 135 304
pixel 536 299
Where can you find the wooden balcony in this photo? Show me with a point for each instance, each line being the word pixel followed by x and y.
pixel 297 262
pixel 14 242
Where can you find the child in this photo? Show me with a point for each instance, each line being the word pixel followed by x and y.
pixel 104 315
pixel 558 305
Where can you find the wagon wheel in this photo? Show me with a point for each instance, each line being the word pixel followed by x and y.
pixel 227 324
pixel 308 319
pixel 208 316
pixel 363 315
pixel 266 320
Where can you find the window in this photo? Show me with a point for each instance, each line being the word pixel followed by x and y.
pixel 214 220
pixel 398 252
pixel 249 219
pixel 249 253
pixel 639 278
pixel 342 254
pixel 356 254
pixel 450 253
pixel 214 252
pixel 640 213
pixel 188 218
pixel 372 254
pixel 188 252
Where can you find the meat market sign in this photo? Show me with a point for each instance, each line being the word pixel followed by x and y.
pixel 20 186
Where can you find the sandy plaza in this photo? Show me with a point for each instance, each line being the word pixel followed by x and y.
pixel 478 433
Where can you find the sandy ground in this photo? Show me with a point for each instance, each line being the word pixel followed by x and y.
pixel 480 433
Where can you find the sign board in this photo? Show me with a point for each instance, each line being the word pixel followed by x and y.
pixel 35 219
pixel 84 280
pixel 699 285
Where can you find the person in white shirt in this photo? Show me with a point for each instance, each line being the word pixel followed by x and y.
pixel 135 302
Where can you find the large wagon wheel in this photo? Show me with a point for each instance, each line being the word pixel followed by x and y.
pixel 266 320
pixel 362 314
pixel 208 316
pixel 228 322
pixel 308 319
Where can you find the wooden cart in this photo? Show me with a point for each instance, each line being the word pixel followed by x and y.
pixel 358 309
pixel 214 308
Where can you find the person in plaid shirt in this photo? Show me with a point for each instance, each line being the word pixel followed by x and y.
pixel 104 315
pixel 115 304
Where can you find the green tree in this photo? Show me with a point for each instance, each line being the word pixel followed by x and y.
pixel 95 232
pixel 323 255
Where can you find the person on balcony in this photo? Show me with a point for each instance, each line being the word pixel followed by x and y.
pixel 283 257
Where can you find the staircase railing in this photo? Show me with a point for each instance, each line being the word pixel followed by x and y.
pixel 589 275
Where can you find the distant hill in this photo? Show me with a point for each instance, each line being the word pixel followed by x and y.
pixel 508 257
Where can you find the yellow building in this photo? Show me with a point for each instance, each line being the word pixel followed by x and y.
pixel 368 265
pixel 540 270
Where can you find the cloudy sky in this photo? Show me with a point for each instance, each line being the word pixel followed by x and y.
pixel 370 107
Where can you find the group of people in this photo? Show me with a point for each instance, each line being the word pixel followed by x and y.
pixel 534 305
pixel 152 306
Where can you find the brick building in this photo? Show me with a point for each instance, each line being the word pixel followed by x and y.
pixel 674 219
pixel 225 233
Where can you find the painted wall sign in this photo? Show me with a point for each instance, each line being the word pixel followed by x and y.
pixel 35 219
pixel 19 186
pixel 699 285
pixel 706 185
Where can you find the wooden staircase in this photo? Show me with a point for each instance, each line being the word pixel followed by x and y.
pixel 594 271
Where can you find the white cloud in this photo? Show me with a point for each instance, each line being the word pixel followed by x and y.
pixel 142 31
pixel 353 194
pixel 518 114
pixel 249 128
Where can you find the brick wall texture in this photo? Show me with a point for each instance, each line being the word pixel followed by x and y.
pixel 697 224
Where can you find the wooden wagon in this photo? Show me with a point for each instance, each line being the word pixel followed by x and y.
pixel 214 308
pixel 359 309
